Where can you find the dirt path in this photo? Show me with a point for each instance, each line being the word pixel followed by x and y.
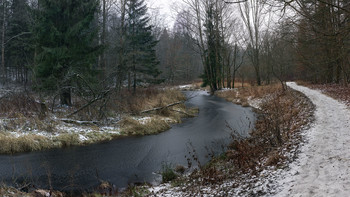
pixel 323 167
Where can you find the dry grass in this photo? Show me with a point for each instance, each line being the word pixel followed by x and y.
pixel 25 143
pixel 131 126
pixel 241 95
pixel 282 118
pixel 159 120
pixel 148 99
pixel 12 192
pixel 18 103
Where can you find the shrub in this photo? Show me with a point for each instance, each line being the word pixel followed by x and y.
pixel 168 173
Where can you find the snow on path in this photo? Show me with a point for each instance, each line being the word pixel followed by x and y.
pixel 323 166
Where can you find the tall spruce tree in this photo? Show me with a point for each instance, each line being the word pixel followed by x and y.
pixel 64 37
pixel 142 59
pixel 213 59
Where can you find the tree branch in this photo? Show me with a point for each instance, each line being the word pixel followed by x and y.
pixel 233 2
pixel 16 36
pixel 90 102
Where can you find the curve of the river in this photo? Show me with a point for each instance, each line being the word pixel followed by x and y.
pixel 133 159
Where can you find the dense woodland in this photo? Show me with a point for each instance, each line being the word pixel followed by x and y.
pixel 95 47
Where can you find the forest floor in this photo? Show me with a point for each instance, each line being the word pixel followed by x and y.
pixel 25 126
pixel 336 91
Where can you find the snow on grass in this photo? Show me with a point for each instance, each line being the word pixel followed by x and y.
pixel 185 86
pixel 255 103
pixel 143 120
pixel 85 133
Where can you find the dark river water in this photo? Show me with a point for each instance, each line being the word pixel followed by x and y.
pixel 133 159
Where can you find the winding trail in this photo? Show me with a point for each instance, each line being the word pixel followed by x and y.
pixel 323 166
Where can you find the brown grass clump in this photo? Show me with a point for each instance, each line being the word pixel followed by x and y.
pixel 21 123
pixel 18 103
pixel 68 139
pixel 25 143
pixel 12 192
pixel 160 120
pixel 274 158
pixel 131 126
pixel 149 99
pixel 241 95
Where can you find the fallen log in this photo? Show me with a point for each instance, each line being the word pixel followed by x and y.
pixel 90 103
pixel 182 112
pixel 80 122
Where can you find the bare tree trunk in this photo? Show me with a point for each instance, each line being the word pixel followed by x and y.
pixel 121 64
pixel 3 43
pixel 103 37
pixel 66 96
pixel 252 14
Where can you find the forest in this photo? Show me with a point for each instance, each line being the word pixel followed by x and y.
pixel 84 46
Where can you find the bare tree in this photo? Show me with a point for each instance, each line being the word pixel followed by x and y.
pixel 253 16
pixel 323 39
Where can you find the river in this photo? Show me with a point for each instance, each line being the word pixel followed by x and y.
pixel 132 159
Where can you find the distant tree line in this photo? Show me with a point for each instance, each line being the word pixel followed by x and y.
pixel 270 40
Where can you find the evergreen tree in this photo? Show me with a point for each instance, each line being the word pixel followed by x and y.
pixel 19 52
pixel 64 37
pixel 213 66
pixel 142 59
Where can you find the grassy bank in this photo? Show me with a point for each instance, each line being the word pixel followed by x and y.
pixel 28 125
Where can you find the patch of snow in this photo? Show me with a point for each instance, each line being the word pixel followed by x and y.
pixel 185 86
pixel 159 188
pixel 323 166
pixel 255 103
pixel 82 138
pixel 143 120
pixel 226 89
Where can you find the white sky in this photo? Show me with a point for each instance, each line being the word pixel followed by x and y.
pixel 166 9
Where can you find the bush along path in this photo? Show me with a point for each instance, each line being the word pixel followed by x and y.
pixel 323 165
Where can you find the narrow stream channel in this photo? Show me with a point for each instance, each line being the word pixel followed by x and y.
pixel 133 159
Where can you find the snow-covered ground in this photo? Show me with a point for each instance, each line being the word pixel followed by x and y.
pixel 323 166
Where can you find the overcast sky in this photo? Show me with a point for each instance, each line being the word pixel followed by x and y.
pixel 165 9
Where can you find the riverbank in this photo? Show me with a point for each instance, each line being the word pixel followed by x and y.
pixel 248 166
pixel 82 168
pixel 25 127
